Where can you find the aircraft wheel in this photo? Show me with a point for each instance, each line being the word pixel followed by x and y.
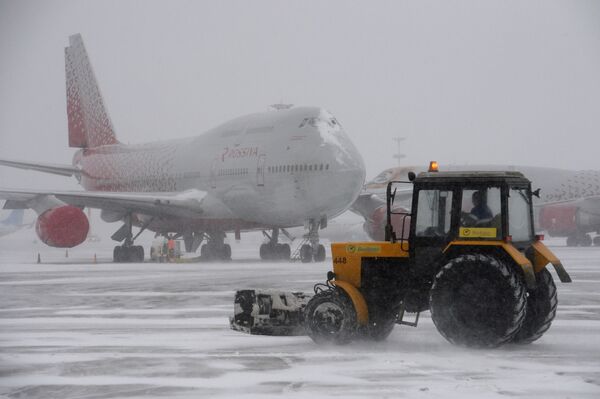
pixel 597 241
pixel 478 300
pixel 572 241
pixel 306 253
pixel 139 253
pixel 265 252
pixel 330 318
pixel 284 251
pixel 585 240
pixel 117 254
pixel 541 309
pixel 319 255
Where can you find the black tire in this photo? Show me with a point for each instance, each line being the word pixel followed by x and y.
pixel 478 300
pixel 597 241
pixel 572 241
pixel 139 252
pixel 541 309
pixel 585 240
pixel 319 254
pixel 264 251
pixel 117 254
pixel 306 253
pixel 381 329
pixel 284 251
pixel 330 318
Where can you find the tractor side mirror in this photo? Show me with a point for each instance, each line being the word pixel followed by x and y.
pixel 411 176
pixel 536 193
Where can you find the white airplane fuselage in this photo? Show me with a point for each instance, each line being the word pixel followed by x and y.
pixel 272 169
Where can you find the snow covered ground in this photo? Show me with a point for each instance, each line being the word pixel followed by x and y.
pixel 71 328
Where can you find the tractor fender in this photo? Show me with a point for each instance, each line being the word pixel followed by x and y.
pixel 360 305
pixel 512 252
pixel 542 256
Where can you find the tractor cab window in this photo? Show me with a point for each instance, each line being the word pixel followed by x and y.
pixel 519 216
pixel 434 213
pixel 480 215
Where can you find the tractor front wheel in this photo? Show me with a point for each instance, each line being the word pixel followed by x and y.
pixel 541 309
pixel 478 300
pixel 330 317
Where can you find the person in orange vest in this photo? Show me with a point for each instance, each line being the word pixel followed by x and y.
pixel 171 249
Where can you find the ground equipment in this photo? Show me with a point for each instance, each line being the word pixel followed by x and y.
pixel 471 258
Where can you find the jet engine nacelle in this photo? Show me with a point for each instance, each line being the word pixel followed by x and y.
pixel 375 225
pixel 62 227
pixel 559 219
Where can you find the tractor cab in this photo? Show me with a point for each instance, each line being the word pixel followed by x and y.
pixel 464 208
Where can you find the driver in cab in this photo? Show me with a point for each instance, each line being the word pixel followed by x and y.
pixel 480 214
pixel 480 209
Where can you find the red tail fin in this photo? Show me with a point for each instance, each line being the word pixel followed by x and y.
pixel 89 123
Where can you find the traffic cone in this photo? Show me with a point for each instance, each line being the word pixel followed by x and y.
pixel 39 258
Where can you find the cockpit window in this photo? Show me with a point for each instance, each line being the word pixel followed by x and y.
pixel 314 122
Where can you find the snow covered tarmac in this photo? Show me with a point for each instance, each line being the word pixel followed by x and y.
pixel 102 330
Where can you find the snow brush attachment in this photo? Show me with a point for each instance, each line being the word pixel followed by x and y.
pixel 269 312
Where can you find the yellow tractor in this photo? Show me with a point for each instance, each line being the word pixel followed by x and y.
pixel 470 256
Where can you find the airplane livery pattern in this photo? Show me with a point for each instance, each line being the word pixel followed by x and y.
pixel 89 124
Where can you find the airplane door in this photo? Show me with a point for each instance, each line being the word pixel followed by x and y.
pixel 260 171
pixel 213 174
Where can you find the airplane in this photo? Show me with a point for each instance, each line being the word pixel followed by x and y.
pixel 12 223
pixel 290 166
pixel 568 204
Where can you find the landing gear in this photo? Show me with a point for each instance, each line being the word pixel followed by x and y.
pixel 128 252
pixel 312 250
pixel 308 253
pixel 215 248
pixel 132 253
pixel 597 241
pixel 272 250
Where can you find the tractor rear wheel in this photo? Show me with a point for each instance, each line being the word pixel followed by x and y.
pixel 330 317
pixel 541 309
pixel 478 300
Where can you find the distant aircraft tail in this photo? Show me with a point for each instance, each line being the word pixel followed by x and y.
pixel 15 218
pixel 89 123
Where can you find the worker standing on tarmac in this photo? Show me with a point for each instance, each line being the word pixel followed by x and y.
pixel 171 249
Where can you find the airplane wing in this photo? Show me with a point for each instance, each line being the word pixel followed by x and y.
pixel 63 170
pixel 182 204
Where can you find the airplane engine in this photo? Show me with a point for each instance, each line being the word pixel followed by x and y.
pixel 375 225
pixel 62 227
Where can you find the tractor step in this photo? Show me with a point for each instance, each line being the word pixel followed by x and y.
pixel 400 320
pixel 269 312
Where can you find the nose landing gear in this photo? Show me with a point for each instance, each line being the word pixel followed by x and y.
pixel 312 249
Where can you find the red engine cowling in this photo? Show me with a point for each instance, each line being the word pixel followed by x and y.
pixel 375 225
pixel 62 227
pixel 559 219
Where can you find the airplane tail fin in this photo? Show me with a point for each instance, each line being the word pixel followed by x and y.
pixel 89 123
pixel 15 218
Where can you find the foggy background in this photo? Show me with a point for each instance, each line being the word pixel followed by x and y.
pixel 464 81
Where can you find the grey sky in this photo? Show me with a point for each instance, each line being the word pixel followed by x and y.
pixel 464 81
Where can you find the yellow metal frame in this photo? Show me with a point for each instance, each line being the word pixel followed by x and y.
pixel 542 256
pixel 360 305
pixel 347 257
pixel 347 266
